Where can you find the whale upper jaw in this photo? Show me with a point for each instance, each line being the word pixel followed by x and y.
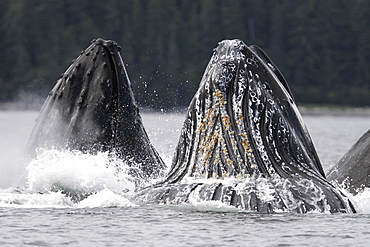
pixel 92 108
pixel 79 105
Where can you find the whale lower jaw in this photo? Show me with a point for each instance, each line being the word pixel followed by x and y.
pixel 264 195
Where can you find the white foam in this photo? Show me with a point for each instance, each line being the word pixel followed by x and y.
pixel 55 170
pixel 211 206
pixel 102 179
pixel 105 182
pixel 106 198
pixel 361 201
pixel 24 199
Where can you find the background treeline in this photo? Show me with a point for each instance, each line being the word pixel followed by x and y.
pixel 322 47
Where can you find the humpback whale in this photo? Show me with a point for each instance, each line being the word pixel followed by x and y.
pixel 354 167
pixel 244 143
pixel 92 108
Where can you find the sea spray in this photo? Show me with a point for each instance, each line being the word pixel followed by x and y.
pixel 105 198
pixel 17 198
pixel 78 174
pixel 361 200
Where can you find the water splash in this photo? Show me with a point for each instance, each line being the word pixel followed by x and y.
pixel 78 173
pixel 106 198
pixel 361 201
pixel 57 178
pixel 22 198
pixel 101 180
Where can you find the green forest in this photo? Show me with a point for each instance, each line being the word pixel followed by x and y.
pixel 321 47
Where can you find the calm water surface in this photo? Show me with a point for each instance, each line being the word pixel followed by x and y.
pixel 32 219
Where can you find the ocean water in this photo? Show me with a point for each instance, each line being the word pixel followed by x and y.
pixel 34 213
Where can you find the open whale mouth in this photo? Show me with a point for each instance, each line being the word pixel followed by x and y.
pixel 242 124
pixel 92 109
pixel 243 121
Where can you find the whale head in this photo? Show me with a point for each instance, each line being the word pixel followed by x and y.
pixel 243 121
pixel 92 108
pixel 244 143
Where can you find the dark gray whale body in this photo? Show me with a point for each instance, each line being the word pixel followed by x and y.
pixel 244 142
pixel 354 167
pixel 92 108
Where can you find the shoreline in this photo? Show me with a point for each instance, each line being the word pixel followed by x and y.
pixel 305 110
pixel 344 111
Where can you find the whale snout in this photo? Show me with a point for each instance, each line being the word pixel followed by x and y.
pixel 110 44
